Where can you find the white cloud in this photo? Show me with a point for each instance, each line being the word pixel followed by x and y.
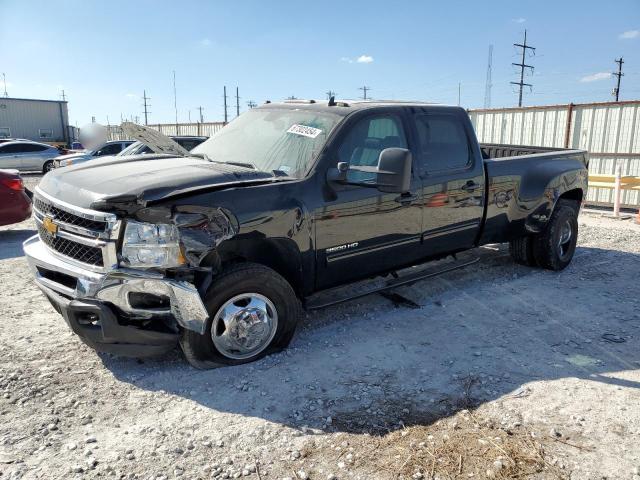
pixel 365 59
pixel 519 20
pixel 595 77
pixel 630 34
pixel 205 42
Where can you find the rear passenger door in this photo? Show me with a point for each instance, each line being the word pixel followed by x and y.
pixel 9 156
pixel 453 180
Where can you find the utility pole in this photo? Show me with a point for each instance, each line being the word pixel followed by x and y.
pixel 251 104
pixel 175 99
pixel 63 96
pixel 200 109
pixel 292 97
pixel 146 109
pixel 488 84
pixel 364 89
pixel 237 102
pixel 459 87
pixel 522 66
pixel 4 80
pixel 225 104
pixel 619 74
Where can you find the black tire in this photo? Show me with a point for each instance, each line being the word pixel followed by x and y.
pixel 549 250
pixel 521 250
pixel 200 350
pixel 48 166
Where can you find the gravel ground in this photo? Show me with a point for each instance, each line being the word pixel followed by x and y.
pixel 501 365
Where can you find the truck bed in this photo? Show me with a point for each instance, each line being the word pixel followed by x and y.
pixel 500 151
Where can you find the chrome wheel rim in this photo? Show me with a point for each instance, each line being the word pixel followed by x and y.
pixel 564 239
pixel 244 326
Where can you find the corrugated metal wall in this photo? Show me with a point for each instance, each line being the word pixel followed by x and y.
pixel 610 132
pixel 195 129
pixel 25 118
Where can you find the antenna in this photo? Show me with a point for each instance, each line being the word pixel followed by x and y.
pixel 4 80
pixel 364 89
pixel 619 74
pixel 175 99
pixel 225 104
pixel 523 65
pixel 488 84
pixel 146 105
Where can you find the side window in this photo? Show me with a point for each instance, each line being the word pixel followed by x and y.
pixel 442 143
pixel 36 148
pixel 365 141
pixel 111 149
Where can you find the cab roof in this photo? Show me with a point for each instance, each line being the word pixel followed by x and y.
pixel 345 107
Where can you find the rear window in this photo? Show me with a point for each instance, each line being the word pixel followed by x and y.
pixel 443 143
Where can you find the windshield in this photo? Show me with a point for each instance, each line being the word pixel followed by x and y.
pixel 286 140
pixel 134 149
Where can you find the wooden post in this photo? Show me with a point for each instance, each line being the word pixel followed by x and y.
pixel 616 192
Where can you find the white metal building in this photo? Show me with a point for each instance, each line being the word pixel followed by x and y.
pixel 39 120
pixel 609 131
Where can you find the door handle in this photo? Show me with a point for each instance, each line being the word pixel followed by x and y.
pixel 470 186
pixel 406 199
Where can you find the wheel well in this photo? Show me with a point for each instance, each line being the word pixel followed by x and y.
pixel 575 195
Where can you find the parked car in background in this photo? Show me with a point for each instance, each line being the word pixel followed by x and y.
pixel 110 148
pixel 25 155
pixel 186 142
pixel 15 204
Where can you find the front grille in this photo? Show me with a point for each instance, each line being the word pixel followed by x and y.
pixel 77 251
pixel 63 216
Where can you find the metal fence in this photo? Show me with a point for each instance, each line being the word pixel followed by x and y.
pixel 609 131
pixel 171 129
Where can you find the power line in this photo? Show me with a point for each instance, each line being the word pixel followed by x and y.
pixel 522 66
pixel 224 96
pixel 488 84
pixel 364 89
pixel 237 103
pixel 251 104
pixel 619 74
pixel 146 107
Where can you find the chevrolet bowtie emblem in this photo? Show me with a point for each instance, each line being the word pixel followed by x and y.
pixel 49 226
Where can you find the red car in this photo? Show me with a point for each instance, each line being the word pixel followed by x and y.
pixel 15 204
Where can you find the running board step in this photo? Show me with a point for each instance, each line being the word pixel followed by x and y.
pixel 406 276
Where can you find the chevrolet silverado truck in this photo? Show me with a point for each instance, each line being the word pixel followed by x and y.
pixel 292 205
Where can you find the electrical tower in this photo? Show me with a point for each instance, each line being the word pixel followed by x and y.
pixel 4 80
pixel 330 94
pixel 488 84
pixel 146 107
pixel 251 104
pixel 201 117
pixel 364 89
pixel 619 74
pixel 224 96
pixel 523 65
pixel 237 103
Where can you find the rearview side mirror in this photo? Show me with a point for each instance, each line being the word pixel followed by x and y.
pixel 392 175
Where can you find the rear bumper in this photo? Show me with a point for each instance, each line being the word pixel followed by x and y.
pixel 105 308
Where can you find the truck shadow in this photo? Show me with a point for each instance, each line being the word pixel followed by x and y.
pixel 480 334
pixel 11 241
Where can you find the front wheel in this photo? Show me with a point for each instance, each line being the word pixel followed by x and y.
pixel 47 167
pixel 253 311
pixel 554 247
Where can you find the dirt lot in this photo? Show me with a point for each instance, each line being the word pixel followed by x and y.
pixel 502 372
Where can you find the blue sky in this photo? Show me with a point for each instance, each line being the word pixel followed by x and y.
pixel 104 54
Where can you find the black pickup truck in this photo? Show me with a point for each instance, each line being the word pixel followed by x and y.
pixel 296 204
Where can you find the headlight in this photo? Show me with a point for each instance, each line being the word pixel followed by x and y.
pixel 66 163
pixel 151 245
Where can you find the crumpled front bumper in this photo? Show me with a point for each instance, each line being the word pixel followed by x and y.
pixel 99 307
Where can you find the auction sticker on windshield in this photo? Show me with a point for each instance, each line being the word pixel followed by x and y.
pixel 305 131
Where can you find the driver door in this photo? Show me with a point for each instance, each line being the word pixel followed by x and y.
pixel 361 231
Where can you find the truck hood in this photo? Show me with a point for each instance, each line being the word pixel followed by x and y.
pixel 141 179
